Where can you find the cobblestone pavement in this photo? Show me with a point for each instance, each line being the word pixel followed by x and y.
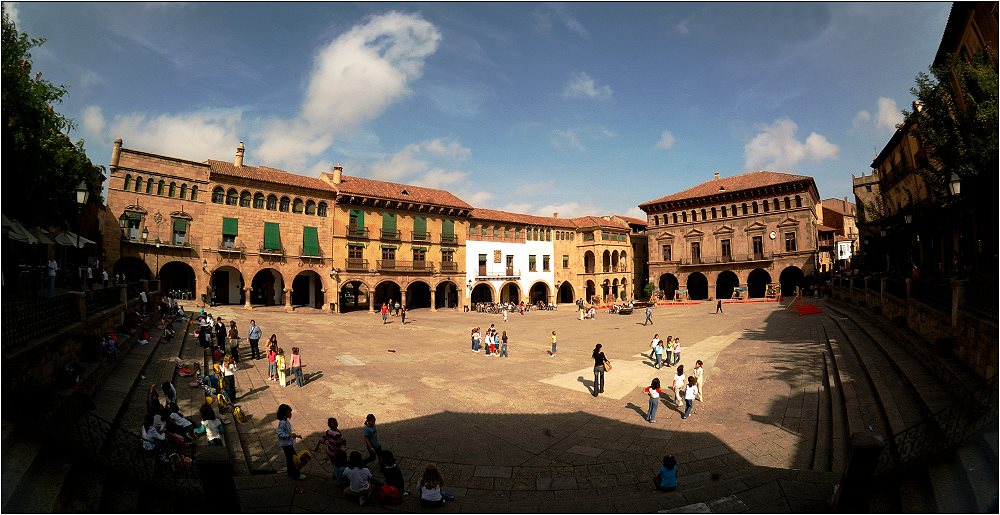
pixel 524 433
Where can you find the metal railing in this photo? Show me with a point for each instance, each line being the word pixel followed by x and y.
pixel 317 255
pixel 418 236
pixel 713 260
pixel 404 266
pixel 356 264
pixel 390 235
pixel 981 298
pixel 235 246
pixel 448 266
pixel 104 298
pixel 506 272
pixel 895 287
pixel 25 321
pixel 187 244
pixel 357 232
pixel 449 238
pixel 280 251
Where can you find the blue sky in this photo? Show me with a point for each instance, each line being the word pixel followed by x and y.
pixel 576 108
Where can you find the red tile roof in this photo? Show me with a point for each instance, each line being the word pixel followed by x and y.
pixel 823 228
pixel 746 181
pixel 362 186
pixel 267 174
pixel 494 215
pixel 633 221
pixel 597 221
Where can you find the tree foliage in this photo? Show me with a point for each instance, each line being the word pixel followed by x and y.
pixel 957 123
pixel 36 149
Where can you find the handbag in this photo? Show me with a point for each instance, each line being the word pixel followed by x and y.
pixel 607 366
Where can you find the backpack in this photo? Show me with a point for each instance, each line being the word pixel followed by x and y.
pixel 222 401
pixel 390 495
pixel 238 414
pixel 301 458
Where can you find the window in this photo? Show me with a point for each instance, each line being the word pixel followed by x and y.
pixel 419 228
pixel 356 252
pixel 868 188
pixel 732 210
pixel 321 209
pixel 298 206
pixel 272 236
pixel 695 252
pixel 496 231
pixel 776 205
pixel 713 214
pixel 755 208
pixel 232 197
pixel 310 242
pixel 388 253
pixel 545 263
pixel 727 251
pixel 272 202
pixel 194 193
pixel 138 185
pixel 180 231
pixel 517 233
pixel 482 230
pixel 745 208
pixel 723 211
pixel 131 222
pixel 656 220
pixel 128 182
pixel 506 232
pixel 218 195
pixel 548 234
pixel 704 214
pixel 766 206
pixel 230 229
pixel 159 187
pixel 789 242
pixel 798 201
pixel 788 203
pixel 531 263
pixel 565 261
pixel 389 226
pixel 184 190
pixel 172 190
pixel 588 236
pixel 149 187
pixel 758 247
pixel 447 256
pixel 258 201
pixel 284 205
pixel 666 253
pixel 675 217
pixel 604 235
pixel 684 216
pixel 694 215
pixel 245 199
pixel 419 254
pixel 310 207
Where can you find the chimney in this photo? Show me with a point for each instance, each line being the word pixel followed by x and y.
pixel 846 204
pixel 555 215
pixel 338 173
pixel 716 175
pixel 238 161
pixel 116 153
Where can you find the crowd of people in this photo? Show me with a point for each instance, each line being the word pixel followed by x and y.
pixel 493 344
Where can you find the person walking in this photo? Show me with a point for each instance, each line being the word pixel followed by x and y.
pixel 254 335
pixel 658 350
pixel 653 391
pixel 718 307
pixel 699 375
pixel 649 315
pixel 402 313
pixel 670 351
pixel 52 267
pixel 476 338
pixel 272 358
pixel 286 440
pixel 297 367
pixel 503 345
pixel 678 386
pixel 552 353
pixel 677 351
pixel 280 364
pixel 652 346
pixel 600 366
pixel 385 313
pixel 690 392
pixel 234 341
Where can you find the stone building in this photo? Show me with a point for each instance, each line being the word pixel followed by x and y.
pixel 640 254
pixel 750 230
pixel 838 234
pixel 605 246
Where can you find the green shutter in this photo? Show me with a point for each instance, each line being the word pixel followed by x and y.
pixel 359 216
pixel 230 227
pixel 389 223
pixel 419 226
pixel 420 248
pixel 448 229
pixel 272 236
pixel 132 215
pixel 310 241
pixel 353 244
pixel 180 224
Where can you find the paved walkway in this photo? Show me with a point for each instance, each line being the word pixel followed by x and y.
pixel 524 434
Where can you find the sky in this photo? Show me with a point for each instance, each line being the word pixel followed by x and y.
pixel 538 108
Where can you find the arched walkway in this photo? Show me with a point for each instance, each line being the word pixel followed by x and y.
pixel 445 295
pixel 267 288
pixel 227 284
pixel 697 286
pixel 354 296
pixel 418 295
pixel 177 278
pixel 791 277
pixel 589 262
pixel 624 294
pixel 668 284
pixel 725 284
pixel 307 290
pixel 614 288
pixel 757 283
pixel 386 292
pixel 538 292
pixel 482 292
pixel 591 291
pixel 606 262
pixel 134 269
pixel 566 295
pixel 509 292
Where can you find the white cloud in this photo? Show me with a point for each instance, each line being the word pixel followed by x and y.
pixel 535 188
pixel 581 85
pixel 776 147
pixel 354 79
pixel 419 158
pixel 476 198
pixel 11 9
pixel 889 115
pixel 860 119
pixel 544 17
pixel 516 207
pixel 635 212
pixel 440 178
pixel 447 148
pixel 92 123
pixel 90 78
pixel 682 27
pixel 574 138
pixel 208 133
pixel 666 141
pixel 565 210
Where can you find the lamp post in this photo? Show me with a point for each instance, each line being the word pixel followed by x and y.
pixel 158 219
pixel 955 189
pixel 82 194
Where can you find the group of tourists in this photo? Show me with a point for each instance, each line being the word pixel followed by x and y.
pixel 669 351
pixel 166 433
pixel 350 469
pixel 494 345
pixel 396 310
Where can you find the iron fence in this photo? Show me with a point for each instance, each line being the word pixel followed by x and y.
pixel 981 298
pixel 25 321
pixel 935 294
pixel 896 287
pixel 99 300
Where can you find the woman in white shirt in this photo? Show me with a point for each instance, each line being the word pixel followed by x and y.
pixel 152 439
pixel 689 394
pixel 678 385
pixel 430 485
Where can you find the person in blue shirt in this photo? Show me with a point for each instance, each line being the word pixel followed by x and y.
pixel 372 443
pixel 666 479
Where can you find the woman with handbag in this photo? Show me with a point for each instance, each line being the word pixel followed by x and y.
pixel 601 364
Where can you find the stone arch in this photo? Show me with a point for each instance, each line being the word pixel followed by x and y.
pixel 725 284
pixel 482 292
pixel 307 289
pixel 667 285
pixel 591 290
pixel 272 202
pixel 697 286
pixel 354 295
pixel 790 278
pixel 606 260
pixel 418 295
pixel 539 291
pixel 128 182
pixel 258 200
pixel 246 198
pixel 310 207
pixel 177 276
pixel 757 283
pixel 134 269
pixel 589 262
pixel 267 288
pixel 229 285
pixel 446 295
pixel 385 292
pixel 510 291
pixel 624 293
pixel 232 197
pixel 623 258
pixel 614 288
pixel 566 293
pixel 298 207
pixel 614 260
pixel 138 183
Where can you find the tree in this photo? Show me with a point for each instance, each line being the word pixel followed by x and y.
pixel 47 164
pixel 649 289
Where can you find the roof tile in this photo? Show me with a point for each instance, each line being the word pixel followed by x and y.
pixel 494 215
pixel 741 182
pixel 268 174
pixel 394 191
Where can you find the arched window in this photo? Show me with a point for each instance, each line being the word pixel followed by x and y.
pixel 766 208
pixel 172 190
pixel 744 208
pixel 310 207
pixel 732 210
pixel 321 209
pixel 285 202
pixel 755 207
pixel 194 193
pixel 723 211
pixel 684 216
pixel 704 214
pixel 138 184
pixel 713 214
pixel 245 199
pixel 128 182
pixel 272 202
pixel 788 203
pixel 258 201
pixel 232 197
pixel 675 217
pixel 184 190
pixel 218 195
pixel 656 220
pixel 798 201
pixel 776 205
pixel 159 187
pixel 694 215
pixel 149 187
pixel 297 206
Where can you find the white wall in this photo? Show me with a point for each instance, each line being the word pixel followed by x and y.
pixel 520 251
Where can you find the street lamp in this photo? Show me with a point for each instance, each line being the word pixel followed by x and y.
pixel 955 185
pixel 158 219
pixel 82 194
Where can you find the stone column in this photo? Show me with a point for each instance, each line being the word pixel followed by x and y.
pixel 434 301
pixel 288 300
pixel 326 305
pixel 402 297
pixel 246 297
pixel 957 299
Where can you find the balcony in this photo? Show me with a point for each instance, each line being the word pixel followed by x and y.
pixel 448 266
pixel 181 244
pixel 503 273
pixel 356 265
pixel 390 235
pixel 447 239
pixel 721 260
pixel 395 265
pixel 317 255
pixel 278 252
pixel 231 247
pixel 360 233
pixel 421 236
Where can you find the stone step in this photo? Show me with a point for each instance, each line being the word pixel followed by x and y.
pixel 952 491
pixel 41 485
pixel 915 493
pixel 19 452
pixel 978 460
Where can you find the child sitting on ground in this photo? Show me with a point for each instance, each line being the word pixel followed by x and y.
pixel 666 479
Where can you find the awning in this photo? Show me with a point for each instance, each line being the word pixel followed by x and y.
pixel 18 232
pixel 420 248
pixel 310 241
pixel 43 237
pixel 70 239
pixel 230 227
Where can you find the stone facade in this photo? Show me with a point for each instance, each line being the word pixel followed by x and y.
pixel 750 230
